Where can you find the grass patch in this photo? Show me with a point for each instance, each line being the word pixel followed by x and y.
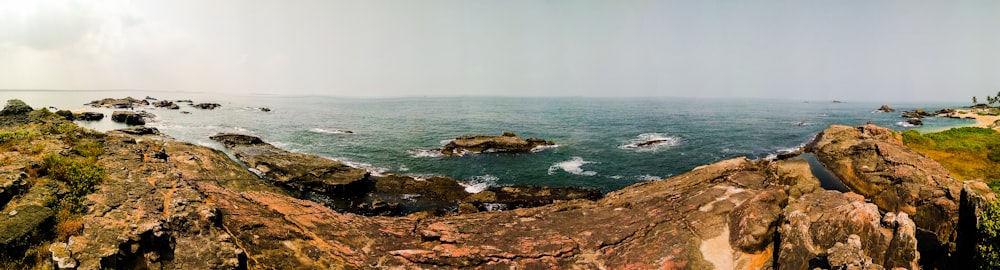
pixel 7 136
pixel 81 175
pixel 967 152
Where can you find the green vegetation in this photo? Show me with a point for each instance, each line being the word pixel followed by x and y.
pixel 967 152
pixel 81 175
pixel 6 136
pixel 988 248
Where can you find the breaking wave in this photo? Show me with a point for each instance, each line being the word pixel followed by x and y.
pixel 650 142
pixel 573 166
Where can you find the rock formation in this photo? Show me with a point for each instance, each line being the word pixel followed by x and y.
pixel 174 205
pixel 128 117
pixel 918 113
pixel 207 106
pixel 873 162
pixel 885 108
pixel 507 142
pixel 89 116
pixel 166 104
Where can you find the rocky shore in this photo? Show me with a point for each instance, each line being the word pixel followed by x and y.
pixel 506 142
pixel 161 203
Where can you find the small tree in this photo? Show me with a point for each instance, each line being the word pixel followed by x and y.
pixel 974 100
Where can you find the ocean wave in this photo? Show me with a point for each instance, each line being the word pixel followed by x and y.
pixel 648 177
pixel 905 124
pixel 479 183
pixel 650 141
pixel 543 148
pixel 374 170
pixel 572 166
pixel 427 152
pixel 330 131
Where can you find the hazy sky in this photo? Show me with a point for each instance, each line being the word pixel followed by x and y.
pixel 853 50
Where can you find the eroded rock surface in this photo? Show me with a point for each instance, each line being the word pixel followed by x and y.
pixel 507 142
pixel 873 162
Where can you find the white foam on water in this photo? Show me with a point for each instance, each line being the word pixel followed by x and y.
pixel 403 168
pixel 479 183
pixel 659 140
pixel 328 131
pixel 543 148
pixel 430 152
pixel 573 166
pixel 648 177
pixel 905 124
pixel 445 142
pixel 374 170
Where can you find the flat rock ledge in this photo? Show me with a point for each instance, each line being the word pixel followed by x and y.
pixel 507 142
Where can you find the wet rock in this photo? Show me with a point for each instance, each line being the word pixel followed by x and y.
pixel 15 107
pixel 89 116
pixel 915 121
pixel 873 162
pixel 885 108
pixel 295 170
pixel 506 142
pixel 128 117
pixel 207 106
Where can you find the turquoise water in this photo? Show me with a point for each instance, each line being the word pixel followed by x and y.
pixel 594 135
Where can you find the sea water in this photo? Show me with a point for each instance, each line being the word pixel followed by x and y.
pixel 596 138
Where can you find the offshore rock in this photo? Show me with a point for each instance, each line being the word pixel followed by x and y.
pixel 873 162
pixel 507 142
pixel 295 170
pixel 918 113
pixel 122 103
pixel 128 117
pixel 166 104
pixel 140 130
pixel 207 106
pixel 885 108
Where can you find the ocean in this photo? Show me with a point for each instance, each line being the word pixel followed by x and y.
pixel 596 137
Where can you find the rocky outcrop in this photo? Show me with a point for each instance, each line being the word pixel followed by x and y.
pixel 294 170
pixel 915 121
pixel 885 108
pixel 817 224
pixel 119 103
pixel 873 162
pixel 207 106
pixel 918 113
pixel 507 142
pixel 18 226
pixel 89 116
pixel 15 107
pixel 128 117
pixel 170 105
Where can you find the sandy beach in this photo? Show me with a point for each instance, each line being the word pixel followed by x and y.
pixel 983 121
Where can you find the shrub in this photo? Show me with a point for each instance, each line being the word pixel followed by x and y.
pixel 6 136
pixel 988 247
pixel 90 149
pixel 81 175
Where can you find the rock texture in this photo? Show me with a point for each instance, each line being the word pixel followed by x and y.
pixel 128 117
pixel 507 142
pixel 89 116
pixel 873 162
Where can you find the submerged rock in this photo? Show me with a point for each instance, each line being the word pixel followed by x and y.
pixel 507 142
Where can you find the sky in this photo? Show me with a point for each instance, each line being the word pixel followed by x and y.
pixel 909 50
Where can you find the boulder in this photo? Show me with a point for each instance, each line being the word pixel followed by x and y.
pixel 89 116
pixel 915 121
pixel 128 117
pixel 918 113
pixel 68 115
pixel 15 107
pixel 140 130
pixel 816 225
pixel 885 108
pixel 873 162
pixel 207 106
pixel 506 142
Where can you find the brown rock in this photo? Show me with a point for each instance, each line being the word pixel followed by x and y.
pixel 128 117
pixel 873 162
pixel 507 142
